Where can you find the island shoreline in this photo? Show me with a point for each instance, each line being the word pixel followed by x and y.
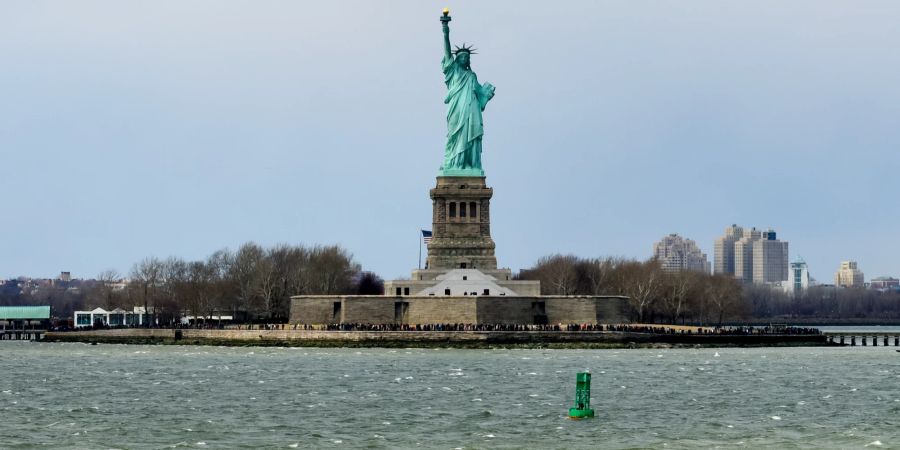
pixel 431 339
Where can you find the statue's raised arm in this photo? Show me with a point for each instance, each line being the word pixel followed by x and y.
pixel 466 99
pixel 445 24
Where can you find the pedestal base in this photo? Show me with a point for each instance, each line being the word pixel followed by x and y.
pixel 461 225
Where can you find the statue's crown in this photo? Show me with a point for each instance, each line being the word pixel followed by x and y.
pixel 465 48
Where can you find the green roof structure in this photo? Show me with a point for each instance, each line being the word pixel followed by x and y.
pixel 24 312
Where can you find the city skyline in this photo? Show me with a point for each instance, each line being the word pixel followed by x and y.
pixel 659 246
pixel 132 131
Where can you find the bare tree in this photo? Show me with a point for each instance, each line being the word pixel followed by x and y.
pixel 221 286
pixel 242 275
pixel 598 274
pixel 147 274
pixel 331 270
pixel 266 283
pixel 557 274
pixel 642 283
pixel 677 288
pixel 724 294
pixel 106 281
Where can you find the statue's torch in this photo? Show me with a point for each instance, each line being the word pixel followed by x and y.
pixel 446 15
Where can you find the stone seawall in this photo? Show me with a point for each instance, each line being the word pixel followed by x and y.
pixel 462 339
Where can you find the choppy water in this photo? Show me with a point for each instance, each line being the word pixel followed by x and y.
pixel 118 396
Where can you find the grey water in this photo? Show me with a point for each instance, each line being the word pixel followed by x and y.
pixel 127 396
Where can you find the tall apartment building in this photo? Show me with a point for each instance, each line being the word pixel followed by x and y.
pixel 743 255
pixel 724 250
pixel 676 254
pixel 756 256
pixel 849 275
pixel 798 278
pixel 770 259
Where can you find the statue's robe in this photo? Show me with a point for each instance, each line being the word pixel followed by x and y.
pixel 465 100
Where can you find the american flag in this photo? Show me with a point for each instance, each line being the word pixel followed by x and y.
pixel 426 236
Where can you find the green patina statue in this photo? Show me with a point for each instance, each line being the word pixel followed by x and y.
pixel 465 100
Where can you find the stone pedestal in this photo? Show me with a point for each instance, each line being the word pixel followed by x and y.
pixel 461 225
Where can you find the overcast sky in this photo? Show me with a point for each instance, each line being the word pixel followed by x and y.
pixel 130 129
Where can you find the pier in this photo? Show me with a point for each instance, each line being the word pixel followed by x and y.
pixel 22 335
pixel 24 323
pixel 864 338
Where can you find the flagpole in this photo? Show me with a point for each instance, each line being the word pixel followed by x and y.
pixel 420 249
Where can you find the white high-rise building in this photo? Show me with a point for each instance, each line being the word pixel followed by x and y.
pixel 849 275
pixel 798 278
pixel 676 254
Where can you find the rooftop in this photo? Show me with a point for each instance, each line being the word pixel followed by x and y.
pixel 466 282
pixel 24 312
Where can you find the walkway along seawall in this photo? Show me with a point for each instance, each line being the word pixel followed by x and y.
pixel 404 339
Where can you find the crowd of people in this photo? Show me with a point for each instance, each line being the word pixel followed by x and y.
pixel 624 328
pixel 648 329
pixel 434 327
pixel 729 331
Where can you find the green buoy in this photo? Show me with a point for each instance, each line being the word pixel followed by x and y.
pixel 582 409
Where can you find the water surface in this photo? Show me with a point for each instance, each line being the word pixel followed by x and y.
pixel 121 396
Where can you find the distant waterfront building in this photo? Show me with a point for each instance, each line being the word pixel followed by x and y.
pixel 724 250
pixel 118 285
pixel 676 254
pixel 118 317
pixel 884 283
pixel 65 277
pixel 849 275
pixel 757 256
pixel 21 317
pixel 798 278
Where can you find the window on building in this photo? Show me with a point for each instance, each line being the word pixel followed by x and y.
pixel 336 312
pixel 446 291
pixel 487 292
pixel 398 292
pixel 462 265
pixel 462 209
pixel 472 210
pixel 406 291
pixel 452 209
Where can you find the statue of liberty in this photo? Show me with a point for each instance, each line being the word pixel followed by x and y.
pixel 465 100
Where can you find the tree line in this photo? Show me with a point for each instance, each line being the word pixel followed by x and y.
pixel 653 294
pixel 253 283
pixel 657 296
pixel 823 303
